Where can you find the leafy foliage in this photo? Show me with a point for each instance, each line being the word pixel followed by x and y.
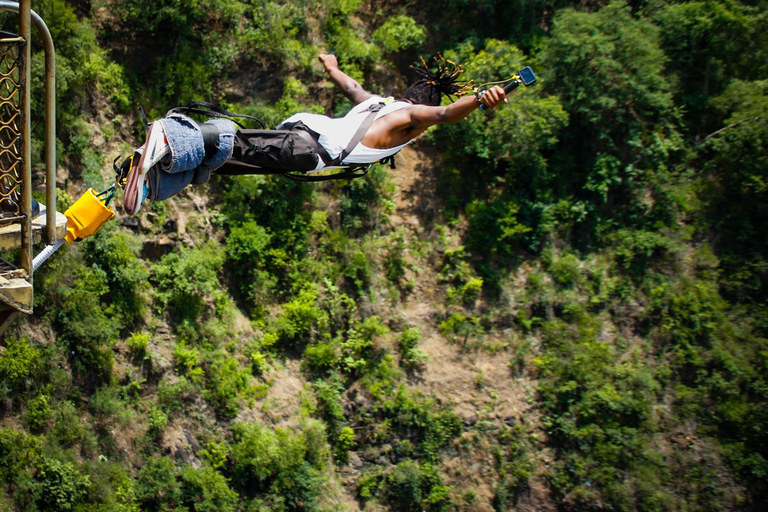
pixel 603 233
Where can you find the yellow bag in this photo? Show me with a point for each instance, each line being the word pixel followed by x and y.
pixel 86 216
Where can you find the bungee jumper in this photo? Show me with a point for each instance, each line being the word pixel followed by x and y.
pixel 307 147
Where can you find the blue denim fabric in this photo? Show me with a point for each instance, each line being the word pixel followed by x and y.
pixel 163 185
pixel 185 164
pixel 186 142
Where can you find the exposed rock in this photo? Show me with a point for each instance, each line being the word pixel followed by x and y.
pixel 170 226
pixel 156 249
pixel 192 441
pixel 131 223
pixel 355 461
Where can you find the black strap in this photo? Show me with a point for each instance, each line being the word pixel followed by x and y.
pixel 211 110
pixel 210 139
pixel 344 173
pixel 389 160
pixel 323 154
pixel 237 168
pixel 367 122
pixel 143 117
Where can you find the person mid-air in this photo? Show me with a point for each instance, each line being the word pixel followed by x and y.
pixel 178 151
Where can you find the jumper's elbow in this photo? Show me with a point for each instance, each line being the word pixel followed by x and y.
pixel 444 116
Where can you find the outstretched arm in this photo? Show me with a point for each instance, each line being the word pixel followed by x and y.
pixel 423 116
pixel 348 85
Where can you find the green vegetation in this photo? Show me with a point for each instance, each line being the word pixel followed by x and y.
pixel 566 310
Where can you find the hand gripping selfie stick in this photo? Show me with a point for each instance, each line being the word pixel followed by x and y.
pixel 525 76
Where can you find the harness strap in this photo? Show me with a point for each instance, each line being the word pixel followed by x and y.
pixel 210 139
pixel 389 160
pixel 345 173
pixel 367 122
pixel 143 117
pixel 211 110
pixel 321 152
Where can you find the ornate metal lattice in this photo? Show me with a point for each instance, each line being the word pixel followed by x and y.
pixel 11 72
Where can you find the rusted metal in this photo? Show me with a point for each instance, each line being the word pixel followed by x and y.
pixel 25 31
pixel 50 116
pixel 11 66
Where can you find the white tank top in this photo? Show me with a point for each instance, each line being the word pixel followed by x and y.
pixel 335 133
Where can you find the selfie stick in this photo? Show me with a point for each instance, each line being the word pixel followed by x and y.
pixel 514 84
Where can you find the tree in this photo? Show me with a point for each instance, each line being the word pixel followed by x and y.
pixel 620 147
pixel 735 187
pixel 709 44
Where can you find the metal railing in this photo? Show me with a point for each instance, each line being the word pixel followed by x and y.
pixel 15 128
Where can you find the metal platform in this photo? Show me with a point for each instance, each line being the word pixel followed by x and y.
pixel 10 233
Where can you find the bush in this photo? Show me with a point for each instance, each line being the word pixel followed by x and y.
pixel 458 327
pixel 59 485
pixel 18 452
pixel 301 318
pixel 184 280
pixel 261 455
pixel 565 269
pixel 39 413
pixel 247 251
pixel 411 356
pixel 19 363
pixel 227 384
pixel 138 343
pixel 158 487
pixel 116 253
pixel 399 33
pixel 411 487
pixel 206 490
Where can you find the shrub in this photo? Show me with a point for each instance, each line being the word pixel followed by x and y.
pixel 116 253
pixel 565 269
pixel 261 455
pixel 458 327
pixel 246 248
pixel 39 413
pixel 19 363
pixel 411 356
pixel 87 324
pixel 321 358
pixel 344 443
pixel 357 349
pixel 399 33
pixel 301 318
pixel 18 452
pixel 227 384
pixel 157 485
pixel 59 485
pixel 138 343
pixel 329 395
pixel 471 290
pixel 638 251
pixel 411 487
pixel 184 280
pixel 206 490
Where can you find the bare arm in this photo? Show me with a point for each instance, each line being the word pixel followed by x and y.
pixel 423 116
pixel 350 87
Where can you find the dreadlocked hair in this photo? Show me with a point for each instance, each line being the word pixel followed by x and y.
pixel 432 85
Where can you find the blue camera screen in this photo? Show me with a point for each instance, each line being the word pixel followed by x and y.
pixel 527 75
